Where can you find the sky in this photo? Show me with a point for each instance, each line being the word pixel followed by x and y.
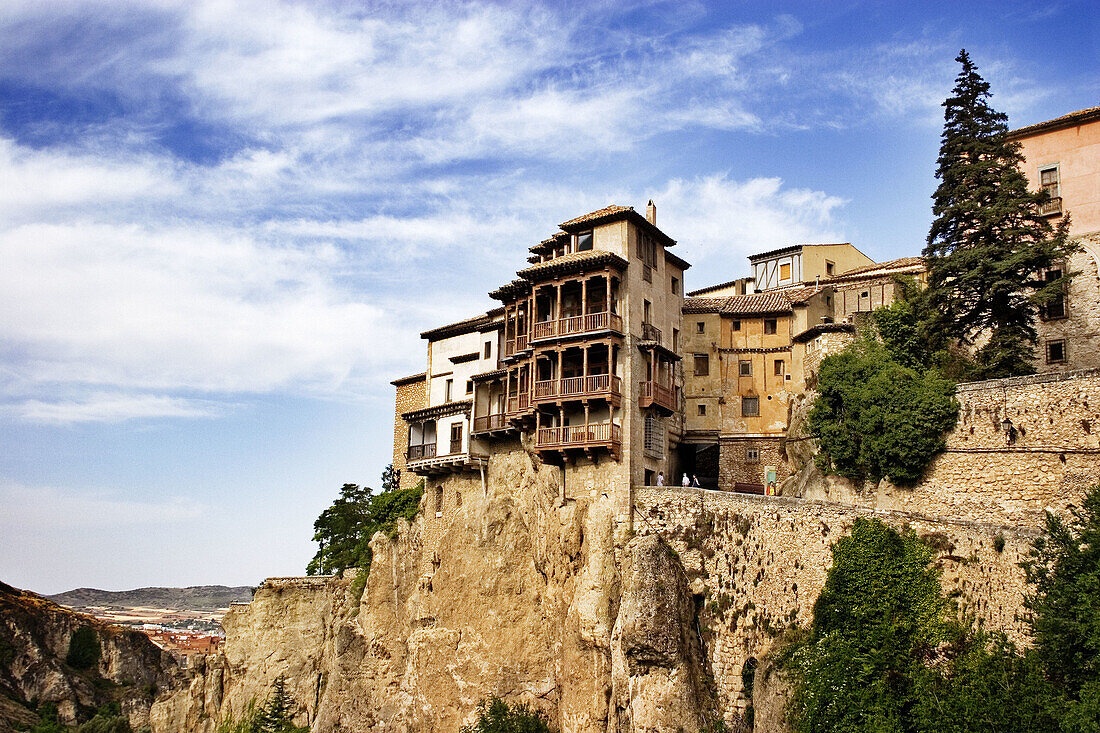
pixel 224 224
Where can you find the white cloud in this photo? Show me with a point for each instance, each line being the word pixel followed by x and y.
pixel 105 407
pixel 47 508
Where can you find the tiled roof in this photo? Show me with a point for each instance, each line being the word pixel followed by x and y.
pixel 614 213
pixel 676 261
pixel 453 329
pixel 574 261
pixel 1079 117
pixel 815 331
pixel 756 303
pixel 801 295
pixel 712 288
pixel 880 268
pixel 604 213
pixel 509 291
pixel 704 305
pixel 409 379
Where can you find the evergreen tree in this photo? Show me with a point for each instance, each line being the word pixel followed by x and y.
pixel 988 246
pixel 390 478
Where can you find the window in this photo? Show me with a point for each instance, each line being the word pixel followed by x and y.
pixel 647 309
pixel 744 368
pixel 830 268
pixel 1049 184
pixel 676 340
pixel 752 455
pixel 779 367
pixel 488 349
pixel 469 386
pixel 770 325
pixel 448 387
pixel 584 241
pixel 654 436
pixel 736 325
pixel 439 501
pixel 702 409
pixel 702 365
pixel 675 286
pixel 785 272
pixel 750 407
pixel 1056 352
pixel 1057 307
pixel 700 327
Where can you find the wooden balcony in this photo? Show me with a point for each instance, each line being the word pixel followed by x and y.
pixel 657 394
pixel 606 386
pixel 419 452
pixel 516 345
pixel 651 333
pixel 593 435
pixel 489 423
pixel 1052 207
pixel 574 325
pixel 519 404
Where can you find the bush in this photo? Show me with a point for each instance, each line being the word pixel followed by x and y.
pixel 108 719
pixel 84 649
pixel 875 417
pixel 276 715
pixel 496 716
pixel 47 720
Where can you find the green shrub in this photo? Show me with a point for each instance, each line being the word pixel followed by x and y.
pixel 875 418
pixel 276 715
pixel 497 716
pixel 47 720
pixel 108 719
pixel 84 649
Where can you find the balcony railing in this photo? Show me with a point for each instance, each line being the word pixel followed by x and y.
pixel 658 394
pixel 516 345
pixel 521 342
pixel 594 385
pixel 417 452
pixel 509 347
pixel 519 403
pixel 580 436
pixel 572 325
pixel 1054 206
pixel 490 422
pixel 651 333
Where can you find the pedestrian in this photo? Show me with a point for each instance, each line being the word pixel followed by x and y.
pixel 660 478
pixel 695 481
pixel 686 481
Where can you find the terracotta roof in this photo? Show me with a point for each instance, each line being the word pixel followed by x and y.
pixel 879 268
pixel 454 329
pixel 614 213
pixel 704 305
pixel 606 212
pixel 682 264
pixel 1073 119
pixel 409 379
pixel 509 291
pixel 774 252
pixel 801 295
pixel 572 262
pixel 756 303
pixel 719 286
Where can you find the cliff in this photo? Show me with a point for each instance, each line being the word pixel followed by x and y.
pixel 524 594
pixel 34 643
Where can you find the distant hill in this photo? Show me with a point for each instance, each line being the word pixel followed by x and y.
pixel 196 597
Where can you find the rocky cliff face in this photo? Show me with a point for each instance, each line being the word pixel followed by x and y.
pixel 524 595
pixel 34 642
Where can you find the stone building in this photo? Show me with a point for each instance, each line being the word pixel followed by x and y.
pixel 1062 157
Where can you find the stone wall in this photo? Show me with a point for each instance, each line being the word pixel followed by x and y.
pixel 1052 458
pixel 735 467
pixel 412 394
pixel 760 562
pixel 1079 330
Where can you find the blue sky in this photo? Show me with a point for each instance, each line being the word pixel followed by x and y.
pixel 223 225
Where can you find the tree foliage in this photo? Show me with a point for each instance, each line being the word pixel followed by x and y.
pixel 497 716
pixel 1064 566
pixel 875 417
pixel 988 247
pixel 886 652
pixel 84 649
pixel 108 719
pixel 343 531
pixel 276 715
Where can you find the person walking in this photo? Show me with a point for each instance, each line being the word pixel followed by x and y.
pixel 660 478
pixel 695 481
pixel 686 481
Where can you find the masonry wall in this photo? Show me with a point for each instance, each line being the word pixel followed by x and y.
pixel 734 465
pixel 1079 331
pixel 1052 459
pixel 411 395
pixel 760 562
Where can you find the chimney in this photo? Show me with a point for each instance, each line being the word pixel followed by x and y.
pixel 651 212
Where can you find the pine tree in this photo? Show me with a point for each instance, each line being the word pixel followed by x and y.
pixel 988 247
